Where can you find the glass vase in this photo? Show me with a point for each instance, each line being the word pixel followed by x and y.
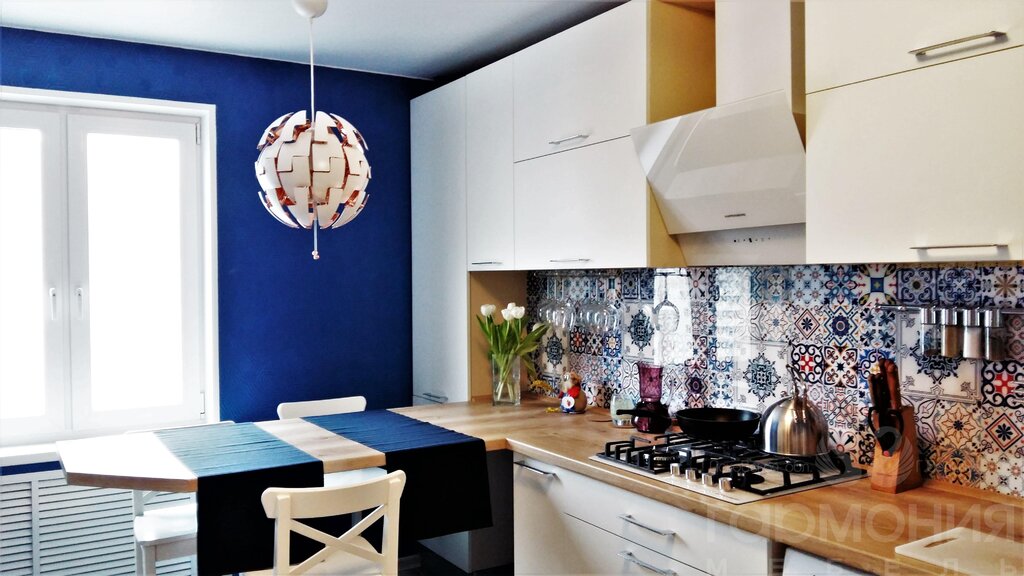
pixel 505 371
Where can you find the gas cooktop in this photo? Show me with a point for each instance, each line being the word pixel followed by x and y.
pixel 732 471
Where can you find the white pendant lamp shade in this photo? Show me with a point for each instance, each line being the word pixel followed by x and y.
pixel 312 174
pixel 313 171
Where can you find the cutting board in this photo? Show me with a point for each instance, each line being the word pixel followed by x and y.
pixel 968 551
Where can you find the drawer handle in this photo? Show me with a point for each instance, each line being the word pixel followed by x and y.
pixel 567 260
pixel 526 466
pixel 486 262
pixel 629 557
pixel 954 246
pixel 995 34
pixel 436 397
pixel 580 136
pixel 635 522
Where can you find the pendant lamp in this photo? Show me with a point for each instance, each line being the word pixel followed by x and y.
pixel 312 169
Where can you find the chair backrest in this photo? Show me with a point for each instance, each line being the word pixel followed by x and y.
pixel 288 505
pixel 321 407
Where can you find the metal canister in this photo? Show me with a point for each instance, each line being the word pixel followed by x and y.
pixel 930 332
pixel 951 341
pixel 995 335
pixel 974 338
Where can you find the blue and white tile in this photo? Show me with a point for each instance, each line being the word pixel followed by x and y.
pixel 771 322
pixel 1015 338
pixel 646 284
pixel 771 284
pixel 866 358
pixel 1002 474
pixel 809 360
pixel 841 283
pixel 959 286
pixel 762 381
pixel 631 284
pixel 878 328
pixel 638 332
pixel 1002 384
pixel 1002 286
pixel 701 280
pixel 915 286
pixel 875 284
pixel 842 325
pixel 840 367
pixel 808 285
pixel 554 354
pixel 809 325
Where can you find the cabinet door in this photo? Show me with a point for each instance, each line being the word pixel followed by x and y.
pixel 901 168
pixel 853 40
pixel 539 531
pixel 585 208
pixel 440 337
pixel 585 85
pixel 489 168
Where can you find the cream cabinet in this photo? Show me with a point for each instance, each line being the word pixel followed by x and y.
pixel 919 166
pixel 581 198
pixel 489 140
pixel 567 523
pixel 854 40
pixel 439 280
pixel 583 86
pixel 585 208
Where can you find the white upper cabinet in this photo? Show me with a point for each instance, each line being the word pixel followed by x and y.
pixel 583 86
pixel 440 355
pixel 920 166
pixel 585 208
pixel 853 40
pixel 489 167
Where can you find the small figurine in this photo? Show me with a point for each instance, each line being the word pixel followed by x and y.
pixel 573 398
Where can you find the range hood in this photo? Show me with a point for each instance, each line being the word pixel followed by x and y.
pixel 730 180
pixel 734 166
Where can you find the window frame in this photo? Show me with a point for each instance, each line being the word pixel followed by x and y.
pixel 204 117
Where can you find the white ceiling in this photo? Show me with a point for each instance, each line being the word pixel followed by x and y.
pixel 414 38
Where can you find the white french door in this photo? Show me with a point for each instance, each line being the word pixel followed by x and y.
pixel 33 324
pixel 101 272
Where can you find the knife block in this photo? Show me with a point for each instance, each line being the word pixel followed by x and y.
pixel 901 470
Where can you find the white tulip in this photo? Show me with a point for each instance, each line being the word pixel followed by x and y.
pixel 518 312
pixel 487 309
pixel 506 314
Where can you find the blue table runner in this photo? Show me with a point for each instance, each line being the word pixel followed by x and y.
pixel 447 487
pixel 234 464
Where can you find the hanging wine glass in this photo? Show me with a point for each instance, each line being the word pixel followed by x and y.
pixel 666 314
pixel 591 309
pixel 546 305
pixel 563 315
pixel 612 315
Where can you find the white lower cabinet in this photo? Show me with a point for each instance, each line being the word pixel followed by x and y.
pixel 566 523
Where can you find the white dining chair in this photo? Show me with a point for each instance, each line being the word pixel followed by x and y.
pixel 349 553
pixel 344 405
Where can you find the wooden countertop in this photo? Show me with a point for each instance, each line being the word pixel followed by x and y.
pixel 849 522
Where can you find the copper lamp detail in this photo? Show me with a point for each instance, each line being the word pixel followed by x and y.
pixel 313 171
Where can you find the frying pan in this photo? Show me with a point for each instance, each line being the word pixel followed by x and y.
pixel 718 423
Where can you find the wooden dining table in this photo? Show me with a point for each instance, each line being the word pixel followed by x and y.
pixel 140 461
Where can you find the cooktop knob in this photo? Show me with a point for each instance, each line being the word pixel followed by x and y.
pixel 674 469
pixel 691 474
pixel 725 484
pixel 707 480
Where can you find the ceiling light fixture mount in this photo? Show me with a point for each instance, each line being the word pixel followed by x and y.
pixel 313 172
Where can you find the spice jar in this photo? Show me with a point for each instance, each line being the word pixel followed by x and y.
pixel 951 342
pixel 930 332
pixel 995 335
pixel 974 341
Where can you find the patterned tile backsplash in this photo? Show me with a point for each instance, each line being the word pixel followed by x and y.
pixel 724 336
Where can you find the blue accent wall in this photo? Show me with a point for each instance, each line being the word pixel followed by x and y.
pixel 290 328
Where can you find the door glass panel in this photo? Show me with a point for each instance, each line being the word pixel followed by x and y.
pixel 134 298
pixel 24 296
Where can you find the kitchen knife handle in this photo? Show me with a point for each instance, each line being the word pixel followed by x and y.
pixel 629 518
pixel 629 557
pixel 994 34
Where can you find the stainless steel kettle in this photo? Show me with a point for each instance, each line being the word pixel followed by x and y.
pixel 795 426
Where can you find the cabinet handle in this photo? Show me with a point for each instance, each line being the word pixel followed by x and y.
pixel 436 397
pixel 994 34
pixel 80 294
pixel 492 262
pixel 526 466
pixel 635 522
pixel 629 557
pixel 53 304
pixel 580 136
pixel 566 260
pixel 953 246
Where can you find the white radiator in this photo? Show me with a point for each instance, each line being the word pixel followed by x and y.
pixel 48 527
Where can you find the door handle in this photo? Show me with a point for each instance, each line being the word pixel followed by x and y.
pixel 629 518
pixel 629 557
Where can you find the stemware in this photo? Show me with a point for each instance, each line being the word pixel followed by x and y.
pixel 666 314
pixel 591 309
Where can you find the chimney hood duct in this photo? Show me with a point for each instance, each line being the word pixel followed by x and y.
pixel 737 165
